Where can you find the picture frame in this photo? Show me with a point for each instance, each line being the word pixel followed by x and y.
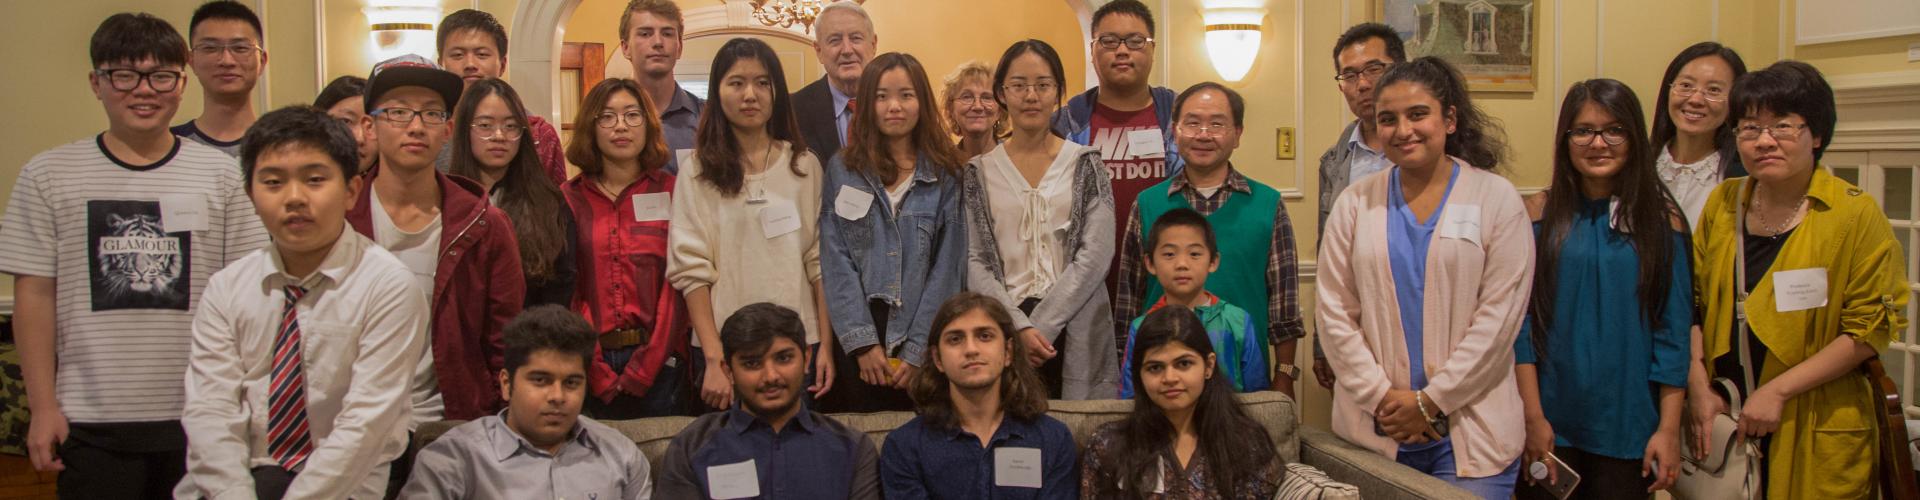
pixel 1494 43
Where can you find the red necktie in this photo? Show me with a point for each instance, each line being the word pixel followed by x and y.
pixel 288 438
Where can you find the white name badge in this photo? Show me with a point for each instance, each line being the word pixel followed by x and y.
pixel 851 203
pixel 652 207
pixel 1799 289
pixel 1146 143
pixel 739 480
pixel 1461 222
pixel 779 218
pixel 1017 467
pixel 183 212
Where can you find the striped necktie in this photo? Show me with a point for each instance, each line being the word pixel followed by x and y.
pixel 288 438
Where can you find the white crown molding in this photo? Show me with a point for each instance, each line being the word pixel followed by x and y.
pixel 1878 111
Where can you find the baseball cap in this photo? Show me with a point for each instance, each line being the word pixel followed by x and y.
pixel 412 70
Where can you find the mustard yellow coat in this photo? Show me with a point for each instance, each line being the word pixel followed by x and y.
pixel 1825 447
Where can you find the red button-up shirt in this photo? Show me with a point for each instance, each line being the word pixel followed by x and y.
pixel 622 279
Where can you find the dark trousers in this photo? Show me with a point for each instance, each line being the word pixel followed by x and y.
pixel 122 460
pixel 1052 371
pixel 666 397
pixel 1601 477
pixel 850 393
pixel 270 482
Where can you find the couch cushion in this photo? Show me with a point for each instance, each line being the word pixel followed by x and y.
pixel 1304 482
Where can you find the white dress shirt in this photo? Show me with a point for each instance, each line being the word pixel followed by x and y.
pixel 362 328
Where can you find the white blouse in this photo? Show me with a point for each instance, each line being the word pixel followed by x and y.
pixel 1690 183
pixel 1031 222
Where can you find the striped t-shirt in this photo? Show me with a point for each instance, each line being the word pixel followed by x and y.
pixel 130 248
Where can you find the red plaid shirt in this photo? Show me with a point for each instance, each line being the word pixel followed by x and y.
pixel 622 280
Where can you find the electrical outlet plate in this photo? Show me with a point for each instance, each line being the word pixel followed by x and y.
pixel 1283 143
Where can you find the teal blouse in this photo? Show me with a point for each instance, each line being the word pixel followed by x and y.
pixel 1605 361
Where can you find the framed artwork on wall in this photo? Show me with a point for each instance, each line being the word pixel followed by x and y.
pixel 1491 41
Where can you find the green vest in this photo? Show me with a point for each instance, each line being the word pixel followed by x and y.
pixel 1243 228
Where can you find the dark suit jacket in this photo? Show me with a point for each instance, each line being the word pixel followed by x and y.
pixel 813 108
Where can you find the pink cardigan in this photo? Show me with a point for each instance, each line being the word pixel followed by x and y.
pixel 1476 297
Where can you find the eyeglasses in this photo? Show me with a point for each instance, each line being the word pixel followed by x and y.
pixel 1195 129
pixel 631 118
pixel 125 80
pixel 1021 89
pixel 489 130
pixel 239 50
pixel 1779 131
pixel 1685 90
pixel 403 116
pixel 1372 71
pixel 1584 136
pixel 1135 42
pixel 983 99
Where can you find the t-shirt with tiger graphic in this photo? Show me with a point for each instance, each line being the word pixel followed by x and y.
pixel 130 248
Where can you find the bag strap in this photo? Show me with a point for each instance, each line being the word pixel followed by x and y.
pixel 1740 284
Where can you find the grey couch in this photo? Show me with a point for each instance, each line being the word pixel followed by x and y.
pixel 1376 476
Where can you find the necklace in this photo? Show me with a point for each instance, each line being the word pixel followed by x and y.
pixel 1772 228
pixel 755 194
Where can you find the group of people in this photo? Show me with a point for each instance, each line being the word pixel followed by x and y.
pixel 271 305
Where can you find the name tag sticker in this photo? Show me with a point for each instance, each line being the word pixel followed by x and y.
pixel 739 480
pixel 183 212
pixel 1146 143
pixel 1799 289
pixel 779 218
pixel 1461 222
pixel 652 207
pixel 851 203
pixel 1017 467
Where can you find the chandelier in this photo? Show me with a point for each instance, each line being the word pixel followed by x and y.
pixel 786 13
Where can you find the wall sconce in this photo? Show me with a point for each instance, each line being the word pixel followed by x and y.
pixel 1233 35
pixel 401 27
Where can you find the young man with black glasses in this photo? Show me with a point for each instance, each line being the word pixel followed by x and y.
pixel 110 239
pixel 227 60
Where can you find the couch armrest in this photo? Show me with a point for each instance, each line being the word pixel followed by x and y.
pixel 1375 475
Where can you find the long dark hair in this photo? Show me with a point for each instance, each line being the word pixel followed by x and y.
pixel 526 194
pixel 1477 137
pixel 714 144
pixel 1022 394
pixel 1646 212
pixel 1663 129
pixel 1234 444
pixel 866 149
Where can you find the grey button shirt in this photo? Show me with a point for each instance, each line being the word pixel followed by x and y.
pixel 485 459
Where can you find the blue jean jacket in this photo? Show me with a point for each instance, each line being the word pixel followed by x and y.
pixel 911 258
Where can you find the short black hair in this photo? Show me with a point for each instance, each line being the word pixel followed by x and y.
pixel 1234 101
pixel 751 329
pixel 340 89
pixel 548 327
pixel 298 125
pixel 1360 33
pixel 131 37
pixel 227 9
pixel 1182 217
pixel 1787 86
pixel 1129 7
pixel 469 19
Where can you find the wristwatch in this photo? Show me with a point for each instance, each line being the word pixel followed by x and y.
pixel 1291 371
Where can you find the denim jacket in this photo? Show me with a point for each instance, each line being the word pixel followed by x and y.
pixel 912 258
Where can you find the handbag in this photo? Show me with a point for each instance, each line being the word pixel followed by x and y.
pixel 1731 470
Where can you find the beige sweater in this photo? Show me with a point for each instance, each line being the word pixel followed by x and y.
pixel 723 243
pixel 1479 271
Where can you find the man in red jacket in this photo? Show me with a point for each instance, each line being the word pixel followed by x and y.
pixel 460 248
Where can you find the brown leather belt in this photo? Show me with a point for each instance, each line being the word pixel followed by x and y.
pixel 622 339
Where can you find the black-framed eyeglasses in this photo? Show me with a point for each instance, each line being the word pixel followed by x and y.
pixel 631 118
pixel 1371 71
pixel 1583 136
pixel 1779 131
pixel 403 116
pixel 238 50
pixel 125 80
pixel 1135 42
pixel 1687 89
pixel 506 130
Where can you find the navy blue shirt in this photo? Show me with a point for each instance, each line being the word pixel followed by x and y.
pixel 924 462
pixel 813 456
